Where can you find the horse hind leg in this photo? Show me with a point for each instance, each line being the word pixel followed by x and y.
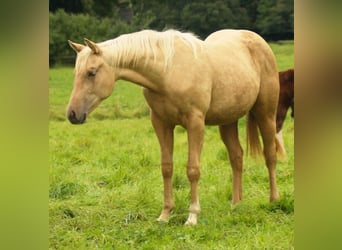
pixel 264 112
pixel 230 138
pixel 268 133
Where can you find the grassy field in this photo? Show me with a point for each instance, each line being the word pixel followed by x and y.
pixel 106 186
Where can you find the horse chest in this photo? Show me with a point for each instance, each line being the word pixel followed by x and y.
pixel 173 109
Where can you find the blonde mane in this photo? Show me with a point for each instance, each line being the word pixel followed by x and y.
pixel 129 49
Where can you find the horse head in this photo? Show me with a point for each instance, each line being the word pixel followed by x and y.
pixel 93 81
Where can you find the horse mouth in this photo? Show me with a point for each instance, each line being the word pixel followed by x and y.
pixel 76 120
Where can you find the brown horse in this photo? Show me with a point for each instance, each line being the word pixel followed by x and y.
pixel 192 83
pixel 286 100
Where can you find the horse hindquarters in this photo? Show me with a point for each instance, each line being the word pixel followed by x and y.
pixel 265 108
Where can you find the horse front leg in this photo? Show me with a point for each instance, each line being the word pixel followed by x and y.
pixel 195 130
pixel 164 133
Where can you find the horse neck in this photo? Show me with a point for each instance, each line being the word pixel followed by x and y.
pixel 145 70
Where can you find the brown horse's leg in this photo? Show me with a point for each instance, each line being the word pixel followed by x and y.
pixel 195 128
pixel 164 133
pixel 268 132
pixel 229 136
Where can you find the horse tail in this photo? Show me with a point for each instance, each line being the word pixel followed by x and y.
pixel 253 142
pixel 281 152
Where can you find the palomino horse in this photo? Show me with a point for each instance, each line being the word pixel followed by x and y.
pixel 286 100
pixel 192 83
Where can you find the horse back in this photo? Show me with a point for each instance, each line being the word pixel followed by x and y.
pixel 244 53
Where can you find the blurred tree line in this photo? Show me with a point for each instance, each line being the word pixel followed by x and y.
pixel 101 20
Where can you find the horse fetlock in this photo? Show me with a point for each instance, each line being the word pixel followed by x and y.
pixel 236 200
pixel 274 196
pixel 165 215
pixel 163 218
pixel 195 208
pixel 168 208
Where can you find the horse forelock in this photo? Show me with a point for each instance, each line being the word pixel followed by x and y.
pixel 130 48
pixel 81 59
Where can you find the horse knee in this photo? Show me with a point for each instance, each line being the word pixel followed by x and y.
pixel 167 170
pixel 193 173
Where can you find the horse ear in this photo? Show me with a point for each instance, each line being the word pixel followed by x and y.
pixel 76 46
pixel 93 46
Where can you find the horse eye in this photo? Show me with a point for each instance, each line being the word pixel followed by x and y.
pixel 91 73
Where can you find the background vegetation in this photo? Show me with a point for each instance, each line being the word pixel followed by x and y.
pixel 104 19
pixel 106 186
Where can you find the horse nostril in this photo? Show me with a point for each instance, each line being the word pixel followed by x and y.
pixel 73 118
pixel 71 115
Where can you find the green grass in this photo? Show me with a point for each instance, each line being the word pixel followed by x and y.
pixel 283 51
pixel 106 187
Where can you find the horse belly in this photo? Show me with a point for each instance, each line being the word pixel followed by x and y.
pixel 225 115
pixel 228 104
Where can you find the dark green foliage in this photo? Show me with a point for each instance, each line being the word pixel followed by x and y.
pixel 275 19
pixel 75 27
pixel 102 20
pixel 204 18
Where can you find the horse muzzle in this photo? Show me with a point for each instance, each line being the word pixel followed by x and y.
pixel 76 120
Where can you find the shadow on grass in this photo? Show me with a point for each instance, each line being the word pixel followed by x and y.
pixel 285 204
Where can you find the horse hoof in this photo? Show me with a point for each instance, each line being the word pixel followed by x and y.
pixel 163 219
pixel 192 220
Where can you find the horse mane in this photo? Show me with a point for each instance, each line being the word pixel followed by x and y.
pixel 130 48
